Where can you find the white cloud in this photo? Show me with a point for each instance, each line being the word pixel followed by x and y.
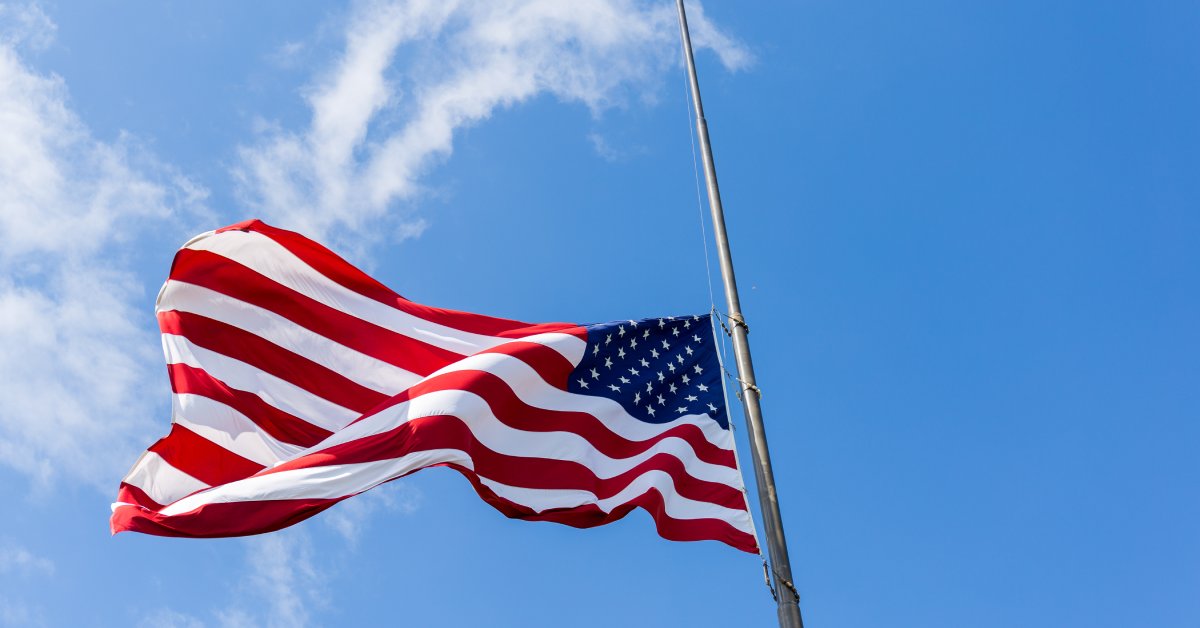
pixel 77 353
pixel 25 25
pixel 167 618
pixel 378 124
pixel 20 561
pixel 350 517
pixel 285 580
pixel 282 586
pixel 19 613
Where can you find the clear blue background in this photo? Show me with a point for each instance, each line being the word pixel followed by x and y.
pixel 966 236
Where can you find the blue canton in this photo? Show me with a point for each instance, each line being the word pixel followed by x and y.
pixel 658 369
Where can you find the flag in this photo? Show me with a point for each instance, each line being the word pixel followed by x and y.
pixel 298 381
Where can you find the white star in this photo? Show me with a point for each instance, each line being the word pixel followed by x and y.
pixel 689 350
pixel 702 387
pixel 686 379
pixel 671 365
pixel 691 398
pixel 661 323
pixel 650 409
pixel 675 332
pixel 666 345
pixel 660 376
pixel 695 317
pixel 671 388
pixel 621 331
pixel 621 353
pixel 682 410
pixel 614 388
pixel 595 374
pixel 680 358
pixel 647 387
pixel 608 362
pixel 633 371
pixel 596 350
pixel 654 353
pixel 661 401
pixel 608 339
pixel 696 338
pixel 633 344
pixel 624 380
pixel 712 407
pixel 582 383
pixel 637 398
pixel 698 369
pixel 687 324
pixel 644 363
pixel 646 334
pixel 633 322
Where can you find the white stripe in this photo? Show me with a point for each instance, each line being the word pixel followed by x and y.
pixel 274 391
pixel 363 369
pixel 676 505
pixel 570 347
pixel 269 258
pixel 529 387
pixel 160 481
pixel 230 429
pixel 336 481
pixel 474 411
pixel 324 482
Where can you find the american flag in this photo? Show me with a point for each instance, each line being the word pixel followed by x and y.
pixel 299 381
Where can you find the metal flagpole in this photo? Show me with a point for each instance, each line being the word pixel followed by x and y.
pixel 789 603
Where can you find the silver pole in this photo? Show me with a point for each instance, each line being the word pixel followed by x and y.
pixel 789 603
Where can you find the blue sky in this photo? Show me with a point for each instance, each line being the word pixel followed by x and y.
pixel 966 237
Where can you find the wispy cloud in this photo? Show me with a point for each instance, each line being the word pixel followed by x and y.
pixel 19 613
pixel 281 586
pixel 16 560
pixel 285 581
pixel 351 517
pixel 76 351
pixel 167 618
pixel 378 124
pixel 18 563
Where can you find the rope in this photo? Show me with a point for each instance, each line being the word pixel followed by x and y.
pixel 696 178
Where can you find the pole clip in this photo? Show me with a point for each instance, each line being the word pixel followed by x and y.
pixel 767 579
pixel 787 583
pixel 738 321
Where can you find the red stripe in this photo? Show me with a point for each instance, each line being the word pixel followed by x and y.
pixel 450 432
pixel 281 425
pixel 246 518
pixel 130 494
pixel 342 272
pixel 221 274
pixel 517 414
pixel 201 458
pixel 220 519
pixel 269 357
pixel 590 516
pixel 549 363
pixel 243 519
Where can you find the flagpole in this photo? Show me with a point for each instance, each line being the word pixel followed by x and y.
pixel 788 599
